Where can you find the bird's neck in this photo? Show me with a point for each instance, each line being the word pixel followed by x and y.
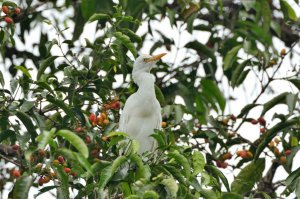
pixel 145 82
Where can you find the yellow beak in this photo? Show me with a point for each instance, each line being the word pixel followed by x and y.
pixel 155 57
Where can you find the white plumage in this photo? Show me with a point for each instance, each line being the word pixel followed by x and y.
pixel 142 112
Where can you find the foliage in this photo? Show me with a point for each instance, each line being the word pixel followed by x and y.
pixel 60 111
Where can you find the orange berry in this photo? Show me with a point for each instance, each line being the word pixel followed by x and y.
pixel 249 154
pixel 67 170
pixel 271 144
pixel 163 124
pixel 276 151
pixel 288 152
pixel 18 10
pixel 272 62
pixel 282 160
pixel 8 20
pixel 46 179
pixel 16 173
pixel 15 147
pixel 61 159
pixel 225 121
pixel 106 106
pixel 283 52
pixel 52 174
pixel 104 138
pixel 106 122
pixel 5 9
pixel 55 162
pixel 87 139
pixel 227 156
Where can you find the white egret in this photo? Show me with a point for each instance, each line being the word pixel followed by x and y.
pixel 142 111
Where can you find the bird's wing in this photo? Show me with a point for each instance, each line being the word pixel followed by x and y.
pixel 123 120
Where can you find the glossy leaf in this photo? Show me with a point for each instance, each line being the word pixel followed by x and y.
pixel 125 40
pixel 230 57
pixel 75 140
pixel 287 10
pixel 99 17
pixel 248 176
pixel 43 66
pixel 171 187
pixel 22 186
pixel 28 124
pixel 182 161
pixel 281 98
pixel 296 82
pixel 24 70
pixel 45 137
pixel 231 196
pixel 198 162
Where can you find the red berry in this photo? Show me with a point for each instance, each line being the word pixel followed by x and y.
pixel 67 170
pixel 233 117
pixel 227 156
pixel 242 154
pixel 288 152
pixel 15 147
pixel 18 10
pixel 116 105
pixel 40 181
pixel 42 152
pixel 253 121
pixel 262 130
pixel 262 121
pixel 61 159
pixel 8 20
pixel 5 9
pixel 78 129
pixel 73 174
pixel 87 139
pixel 16 173
pixel 224 165
pixel 92 118
pixel 219 163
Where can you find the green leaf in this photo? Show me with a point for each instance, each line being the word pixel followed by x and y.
pixel 292 177
pixel 47 62
pixel 296 82
pixel 63 182
pixel 99 17
pixel 248 176
pixel 2 82
pixel 170 186
pixel 22 187
pixel 201 50
pixel 267 14
pixel 6 134
pixel 142 171
pixel 10 3
pixel 28 124
pixel 117 163
pixel 246 109
pixel 26 106
pixel 24 70
pixel 178 113
pixel 88 8
pixel 210 88
pixel 219 174
pixel 105 176
pixel 231 196
pixel 208 194
pixel 125 40
pixel 230 57
pixel 133 37
pixel 237 72
pixel 133 197
pixel 159 95
pixel 288 11
pixel 281 98
pixel 273 132
pixel 61 105
pixel 198 162
pixel 75 140
pixel 83 162
pixel 46 189
pixel 181 160
pixel 113 134
pixel 45 137
pixel 150 195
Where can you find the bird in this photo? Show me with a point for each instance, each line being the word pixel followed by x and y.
pixel 142 112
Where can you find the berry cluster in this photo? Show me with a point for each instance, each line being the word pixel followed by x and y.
pixel 9 11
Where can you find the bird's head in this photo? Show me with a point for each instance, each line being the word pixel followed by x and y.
pixel 144 63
